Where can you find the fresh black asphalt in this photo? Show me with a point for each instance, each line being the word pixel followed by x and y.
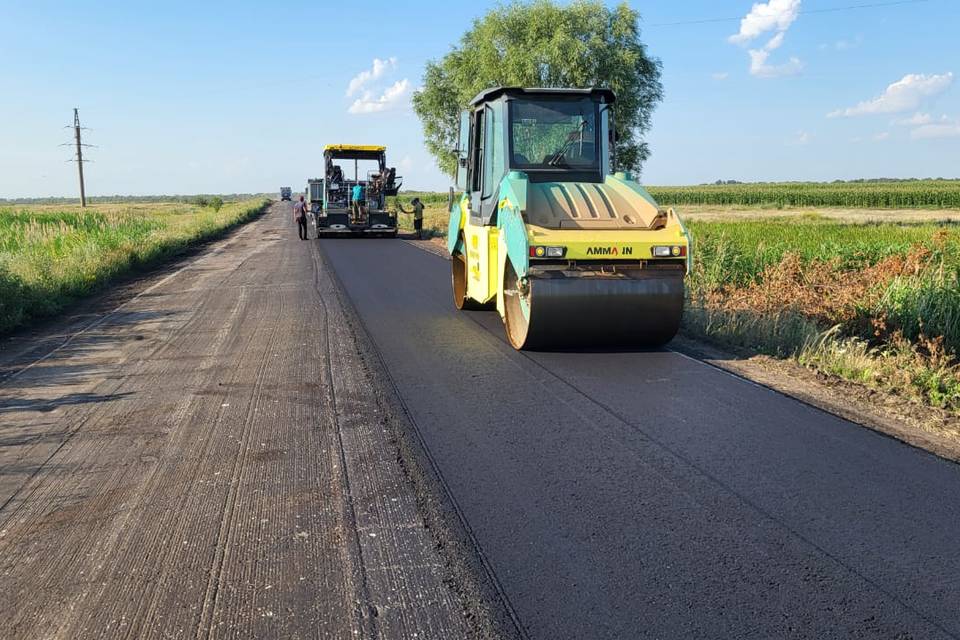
pixel 648 495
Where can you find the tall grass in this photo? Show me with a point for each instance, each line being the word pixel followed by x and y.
pixel 49 258
pixel 927 304
pixel 878 304
pixel 735 253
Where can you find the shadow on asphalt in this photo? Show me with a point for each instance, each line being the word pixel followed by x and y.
pixel 14 403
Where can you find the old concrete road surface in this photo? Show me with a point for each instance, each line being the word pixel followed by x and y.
pixel 209 460
pixel 647 495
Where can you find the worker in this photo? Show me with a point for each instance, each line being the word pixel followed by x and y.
pixel 300 217
pixel 417 215
pixel 357 202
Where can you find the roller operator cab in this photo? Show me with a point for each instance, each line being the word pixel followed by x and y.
pixel 571 253
pixel 355 170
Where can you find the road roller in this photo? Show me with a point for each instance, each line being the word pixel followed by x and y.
pixel 570 252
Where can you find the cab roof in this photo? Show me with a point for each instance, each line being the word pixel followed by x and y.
pixel 495 92
pixel 354 147
pixel 351 151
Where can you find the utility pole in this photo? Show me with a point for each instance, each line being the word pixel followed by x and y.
pixel 79 157
pixel 76 130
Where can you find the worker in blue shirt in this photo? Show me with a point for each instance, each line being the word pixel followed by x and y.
pixel 357 202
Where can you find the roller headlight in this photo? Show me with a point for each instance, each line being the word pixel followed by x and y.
pixel 547 252
pixel 669 251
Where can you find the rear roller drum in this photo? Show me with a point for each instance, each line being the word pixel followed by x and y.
pixel 458 264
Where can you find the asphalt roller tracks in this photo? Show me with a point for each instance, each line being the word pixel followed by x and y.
pixel 648 495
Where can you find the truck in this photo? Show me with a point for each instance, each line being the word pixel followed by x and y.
pixel 570 251
pixel 286 193
pixel 337 215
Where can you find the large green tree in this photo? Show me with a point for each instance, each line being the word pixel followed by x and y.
pixel 544 44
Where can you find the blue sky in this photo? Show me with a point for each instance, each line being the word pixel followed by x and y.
pixel 188 97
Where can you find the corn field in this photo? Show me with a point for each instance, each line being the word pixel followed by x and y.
pixel 939 194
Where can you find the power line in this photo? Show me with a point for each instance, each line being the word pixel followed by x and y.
pixel 872 5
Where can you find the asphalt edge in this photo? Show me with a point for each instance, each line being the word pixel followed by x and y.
pixel 487 607
pixel 782 377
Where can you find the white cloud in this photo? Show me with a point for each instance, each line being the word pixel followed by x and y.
pixel 775 15
pixel 760 68
pixel 775 41
pixel 945 128
pixel 802 137
pixel 394 96
pixel 883 135
pixel 720 75
pixel 377 69
pixel 915 120
pixel 905 94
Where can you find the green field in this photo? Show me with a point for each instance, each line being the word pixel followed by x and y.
pixel 737 253
pixel 52 255
pixel 876 303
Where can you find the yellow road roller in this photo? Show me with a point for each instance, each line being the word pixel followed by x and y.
pixel 570 252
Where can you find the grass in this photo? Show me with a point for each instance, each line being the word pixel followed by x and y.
pixel 52 255
pixel 875 303
pixel 736 253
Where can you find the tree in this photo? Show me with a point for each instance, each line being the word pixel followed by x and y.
pixel 543 44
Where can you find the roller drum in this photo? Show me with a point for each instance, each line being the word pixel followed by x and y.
pixel 642 310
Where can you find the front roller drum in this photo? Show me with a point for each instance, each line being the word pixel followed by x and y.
pixel 643 310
